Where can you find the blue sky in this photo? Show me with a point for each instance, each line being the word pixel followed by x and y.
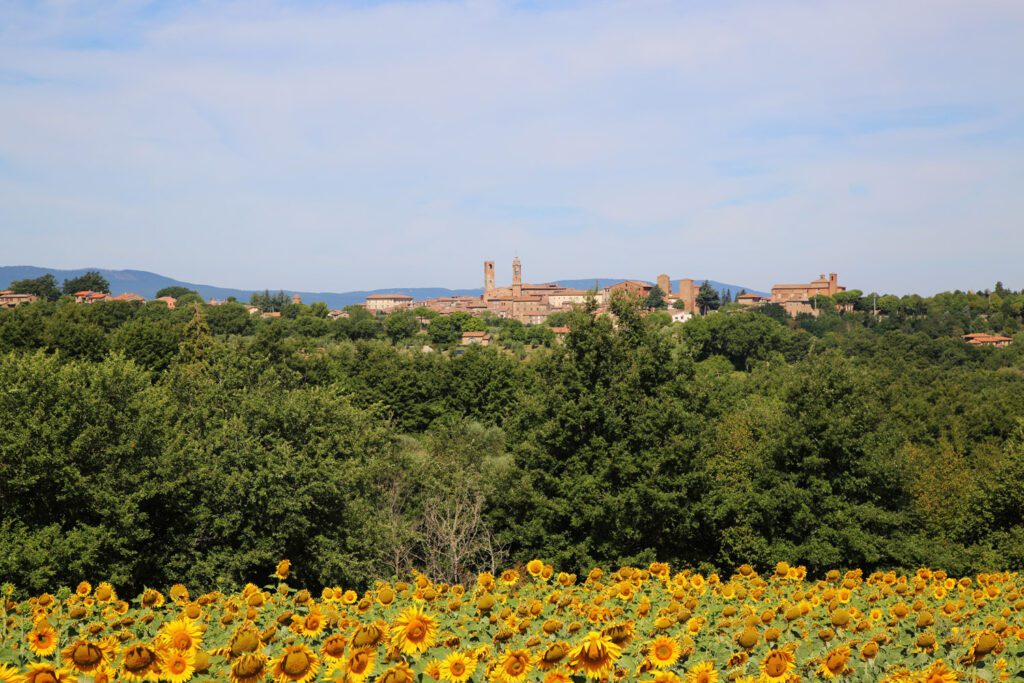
pixel 350 145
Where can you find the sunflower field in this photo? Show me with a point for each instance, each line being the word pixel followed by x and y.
pixel 532 624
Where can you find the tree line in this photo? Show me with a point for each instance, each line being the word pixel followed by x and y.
pixel 148 446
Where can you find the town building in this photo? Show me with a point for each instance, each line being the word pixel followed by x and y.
pixel 87 296
pixel 985 339
pixel 169 300
pixel 827 286
pixel 797 299
pixel 386 303
pixel 748 299
pixel 9 299
pixel 476 338
pixel 128 297
pixel 678 315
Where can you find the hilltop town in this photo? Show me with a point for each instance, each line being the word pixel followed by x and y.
pixel 528 303
pixel 535 303
pixel 532 304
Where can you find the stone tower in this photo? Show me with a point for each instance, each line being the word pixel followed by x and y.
pixel 296 299
pixel 665 285
pixel 488 277
pixel 517 278
pixel 688 293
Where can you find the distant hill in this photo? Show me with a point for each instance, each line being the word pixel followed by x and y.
pixel 148 284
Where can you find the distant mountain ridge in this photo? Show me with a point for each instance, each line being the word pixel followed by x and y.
pixel 147 284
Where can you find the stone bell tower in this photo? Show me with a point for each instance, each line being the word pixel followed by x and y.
pixel 517 278
pixel 488 278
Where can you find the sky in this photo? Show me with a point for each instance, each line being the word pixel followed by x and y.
pixel 332 146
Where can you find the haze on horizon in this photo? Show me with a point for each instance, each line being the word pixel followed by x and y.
pixel 355 145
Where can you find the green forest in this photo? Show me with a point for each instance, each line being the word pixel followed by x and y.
pixel 147 446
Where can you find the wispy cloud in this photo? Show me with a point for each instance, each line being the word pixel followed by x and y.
pixel 325 145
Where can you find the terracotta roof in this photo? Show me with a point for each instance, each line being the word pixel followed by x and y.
pixel 986 339
pixel 561 329
pixel 476 334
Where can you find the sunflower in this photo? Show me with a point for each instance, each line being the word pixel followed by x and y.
pixel 312 624
pixel 553 655
pixel 399 673
pixel 181 634
pixel 245 639
pixel 485 581
pixel 663 652
pixel 836 662
pixel 83 656
pixel 368 635
pixel 202 661
pixel 510 577
pixel 869 650
pixel 457 667
pixel 138 663
pixel 748 638
pixel 42 672
pixel 513 666
pixel 777 665
pixel 938 673
pixel 620 634
pixel 178 593
pixel 42 639
pixel 333 647
pixel 595 655
pixel 359 664
pixel 414 631
pixel 152 598
pixel 984 643
pixel 105 592
pixel 177 666
pixel 283 568
pixel 297 663
pixel 535 568
pixel 702 673
pixel 251 667
pixel 8 674
pixel 385 595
